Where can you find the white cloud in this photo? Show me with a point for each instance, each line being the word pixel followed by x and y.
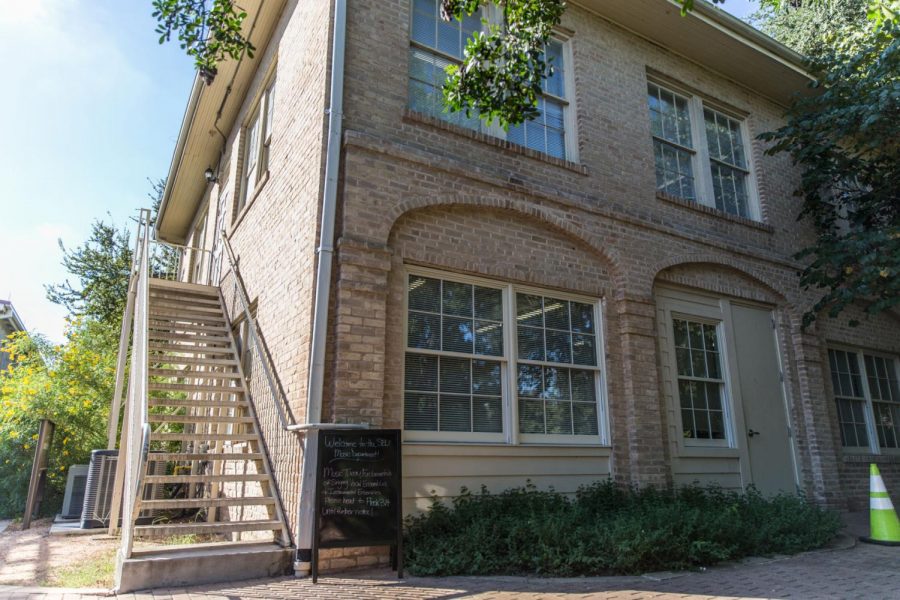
pixel 29 259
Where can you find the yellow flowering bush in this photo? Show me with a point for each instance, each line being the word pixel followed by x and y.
pixel 70 384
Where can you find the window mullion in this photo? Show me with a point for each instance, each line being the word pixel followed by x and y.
pixel 511 397
pixel 870 409
pixel 702 169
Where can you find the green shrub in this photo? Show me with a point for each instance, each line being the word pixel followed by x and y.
pixel 606 529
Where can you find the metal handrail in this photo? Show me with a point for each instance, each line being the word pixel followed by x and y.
pixel 136 433
pixel 280 400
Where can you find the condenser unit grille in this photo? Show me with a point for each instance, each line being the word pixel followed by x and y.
pixel 99 489
pixel 73 501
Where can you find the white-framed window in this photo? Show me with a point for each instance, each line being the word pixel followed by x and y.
pixel 257 141
pixel 492 362
pixel 867 393
pixel 435 44
pixel 701 152
pixel 701 380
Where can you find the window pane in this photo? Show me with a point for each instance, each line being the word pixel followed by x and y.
pixel 488 338
pixel 584 350
pixel 529 311
pixel 730 190
pixel 583 389
pixel 674 171
pixel 456 377
pixel 556 314
pixel 585 418
pixel 421 373
pixel 556 384
pixel 555 83
pixel 531 381
pixel 420 412
pixel 455 413
pixel 486 378
pixel 582 318
pixel 531 416
pixel 531 343
pixel 423 331
pixel 457 299
pixel 669 116
pixel 458 335
pixel 488 303
pixel 424 294
pixel 487 415
pixel 559 417
pixel 559 346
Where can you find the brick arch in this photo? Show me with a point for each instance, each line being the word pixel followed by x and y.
pixel 528 210
pixel 721 261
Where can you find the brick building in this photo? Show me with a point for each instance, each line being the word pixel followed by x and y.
pixel 605 291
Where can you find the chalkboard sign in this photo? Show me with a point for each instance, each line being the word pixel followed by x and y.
pixel 358 492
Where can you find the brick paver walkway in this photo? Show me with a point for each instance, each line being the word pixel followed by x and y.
pixel 863 572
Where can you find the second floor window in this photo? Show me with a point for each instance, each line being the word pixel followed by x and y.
pixel 715 173
pixel 436 44
pixel 257 139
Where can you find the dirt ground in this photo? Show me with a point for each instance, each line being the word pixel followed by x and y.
pixel 32 557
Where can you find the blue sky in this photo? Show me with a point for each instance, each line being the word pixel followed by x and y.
pixel 92 105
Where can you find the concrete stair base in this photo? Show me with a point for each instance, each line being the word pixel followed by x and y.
pixel 202 565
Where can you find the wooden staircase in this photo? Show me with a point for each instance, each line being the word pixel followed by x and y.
pixel 216 495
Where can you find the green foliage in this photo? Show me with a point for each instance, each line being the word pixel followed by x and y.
pixel 209 30
pixel 606 529
pixel 503 69
pixel 101 266
pixel 70 384
pixel 810 27
pixel 846 139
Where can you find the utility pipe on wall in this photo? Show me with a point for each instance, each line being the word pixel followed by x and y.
pixel 305 511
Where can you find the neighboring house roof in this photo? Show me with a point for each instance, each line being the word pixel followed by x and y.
pixel 708 36
pixel 9 319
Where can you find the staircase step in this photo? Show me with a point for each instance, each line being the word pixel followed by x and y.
pixel 187 308
pixel 205 456
pixel 184 287
pixel 207 502
pixel 206 528
pixel 203 437
pixel 188 387
pixel 180 315
pixel 163 325
pixel 220 350
pixel 153 479
pixel 186 360
pixel 184 374
pixel 166 566
pixel 184 298
pixel 175 402
pixel 188 337
pixel 197 419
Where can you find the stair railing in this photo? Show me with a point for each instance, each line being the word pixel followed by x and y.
pixel 280 401
pixel 134 443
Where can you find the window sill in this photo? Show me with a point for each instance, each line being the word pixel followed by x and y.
pixel 411 116
pixel 259 188
pixel 868 457
pixel 715 212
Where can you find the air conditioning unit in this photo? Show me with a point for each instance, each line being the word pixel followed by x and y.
pixel 99 489
pixel 73 501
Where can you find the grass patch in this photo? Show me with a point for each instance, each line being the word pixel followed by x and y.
pixel 96 571
pixel 608 530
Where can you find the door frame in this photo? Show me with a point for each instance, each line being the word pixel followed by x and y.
pixel 706 306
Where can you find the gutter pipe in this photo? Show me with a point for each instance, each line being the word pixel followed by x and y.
pixel 325 251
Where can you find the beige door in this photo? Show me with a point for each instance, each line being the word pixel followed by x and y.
pixel 766 434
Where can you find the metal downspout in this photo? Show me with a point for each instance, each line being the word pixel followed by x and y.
pixel 325 251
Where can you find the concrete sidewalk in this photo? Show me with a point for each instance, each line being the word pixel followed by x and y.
pixel 846 570
pixel 859 572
